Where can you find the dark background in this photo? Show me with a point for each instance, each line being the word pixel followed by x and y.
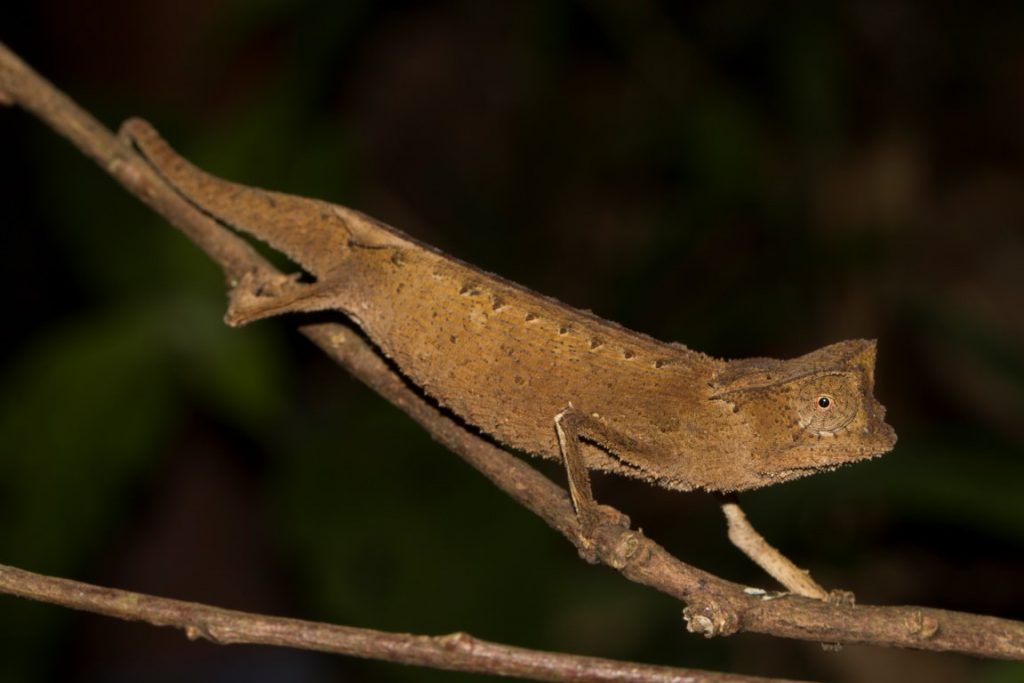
pixel 748 181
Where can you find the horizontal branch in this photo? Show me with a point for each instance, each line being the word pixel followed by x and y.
pixel 452 652
pixel 714 606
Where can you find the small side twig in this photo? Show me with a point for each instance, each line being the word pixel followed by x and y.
pixel 766 556
pixel 715 606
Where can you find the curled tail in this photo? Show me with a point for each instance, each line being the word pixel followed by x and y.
pixel 313 233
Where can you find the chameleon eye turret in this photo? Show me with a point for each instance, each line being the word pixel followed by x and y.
pixel 828 403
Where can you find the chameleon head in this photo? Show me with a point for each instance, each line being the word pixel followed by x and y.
pixel 805 415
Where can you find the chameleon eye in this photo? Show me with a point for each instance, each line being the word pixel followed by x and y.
pixel 826 403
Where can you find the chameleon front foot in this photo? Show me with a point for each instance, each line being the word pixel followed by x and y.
pixel 595 520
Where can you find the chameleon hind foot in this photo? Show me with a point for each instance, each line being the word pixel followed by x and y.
pixel 259 295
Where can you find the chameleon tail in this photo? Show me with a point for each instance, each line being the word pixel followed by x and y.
pixel 313 233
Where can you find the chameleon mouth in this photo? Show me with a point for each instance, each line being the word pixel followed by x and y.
pixel 806 424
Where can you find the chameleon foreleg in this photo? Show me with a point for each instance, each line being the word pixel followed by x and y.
pixel 570 425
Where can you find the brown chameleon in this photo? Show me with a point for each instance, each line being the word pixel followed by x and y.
pixel 538 375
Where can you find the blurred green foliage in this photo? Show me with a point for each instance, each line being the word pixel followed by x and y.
pixel 749 181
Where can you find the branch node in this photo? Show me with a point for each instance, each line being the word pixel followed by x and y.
pixel 922 625
pixel 460 641
pixel 627 549
pixel 709 618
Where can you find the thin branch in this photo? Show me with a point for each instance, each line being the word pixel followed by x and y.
pixel 453 652
pixel 745 537
pixel 714 606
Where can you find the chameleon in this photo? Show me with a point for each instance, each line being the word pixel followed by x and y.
pixel 538 375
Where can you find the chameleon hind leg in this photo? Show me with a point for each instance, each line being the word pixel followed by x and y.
pixel 258 296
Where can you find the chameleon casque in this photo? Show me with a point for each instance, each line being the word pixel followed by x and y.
pixel 538 375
